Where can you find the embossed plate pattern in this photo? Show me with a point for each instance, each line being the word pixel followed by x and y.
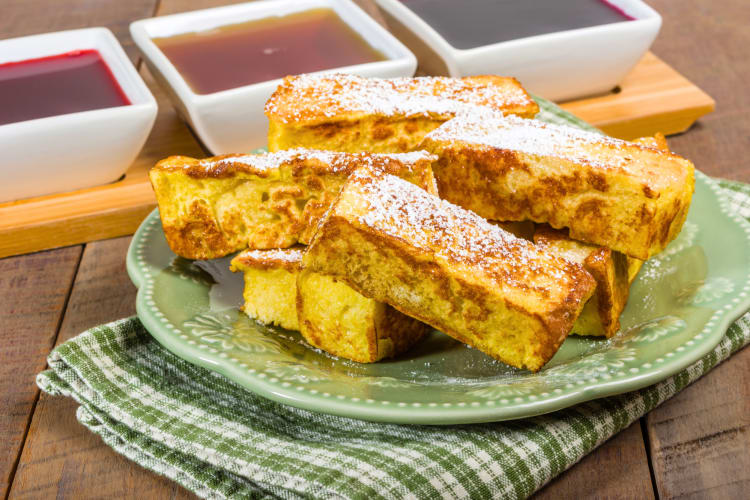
pixel 681 304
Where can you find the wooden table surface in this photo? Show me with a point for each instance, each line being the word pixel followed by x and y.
pixel 695 445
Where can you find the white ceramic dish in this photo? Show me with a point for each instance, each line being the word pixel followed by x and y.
pixel 232 120
pixel 557 66
pixel 76 150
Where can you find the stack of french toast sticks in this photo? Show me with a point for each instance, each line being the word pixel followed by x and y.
pixel 386 206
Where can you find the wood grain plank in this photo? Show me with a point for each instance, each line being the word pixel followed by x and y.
pixel 707 42
pixel 29 17
pixel 718 147
pixel 33 291
pixel 61 458
pixel 617 469
pixel 700 439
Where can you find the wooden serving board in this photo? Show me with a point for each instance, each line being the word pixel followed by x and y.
pixel 653 98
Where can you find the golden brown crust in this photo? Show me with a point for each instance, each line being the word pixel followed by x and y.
pixel 609 269
pixel 449 268
pixel 215 206
pixel 330 98
pixel 611 300
pixel 350 113
pixel 298 160
pixel 197 235
pixel 629 197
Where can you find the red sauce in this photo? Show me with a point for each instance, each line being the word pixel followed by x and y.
pixel 57 85
pixel 258 51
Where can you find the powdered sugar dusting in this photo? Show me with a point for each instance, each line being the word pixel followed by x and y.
pixel 286 254
pixel 335 162
pixel 534 137
pixel 275 257
pixel 307 98
pixel 434 225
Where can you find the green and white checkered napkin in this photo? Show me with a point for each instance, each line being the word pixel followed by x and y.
pixel 218 440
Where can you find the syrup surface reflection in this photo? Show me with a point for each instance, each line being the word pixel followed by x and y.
pixel 258 51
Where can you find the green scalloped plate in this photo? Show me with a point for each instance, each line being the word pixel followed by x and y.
pixel 681 304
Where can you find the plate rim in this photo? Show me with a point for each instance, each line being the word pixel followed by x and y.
pixel 428 413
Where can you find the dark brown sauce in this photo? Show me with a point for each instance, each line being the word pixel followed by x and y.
pixel 467 24
pixel 57 85
pixel 257 51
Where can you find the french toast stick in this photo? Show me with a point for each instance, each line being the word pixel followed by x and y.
pixel 613 271
pixel 339 320
pixel 449 268
pixel 626 196
pixel 327 312
pixel 212 207
pixel 601 314
pixel 657 141
pixel 351 113
pixel 270 292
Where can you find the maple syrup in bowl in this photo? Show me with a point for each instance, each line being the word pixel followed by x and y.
pixel 242 54
pixel 219 66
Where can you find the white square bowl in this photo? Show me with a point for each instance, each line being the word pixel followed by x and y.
pixel 232 121
pixel 558 66
pixel 75 150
